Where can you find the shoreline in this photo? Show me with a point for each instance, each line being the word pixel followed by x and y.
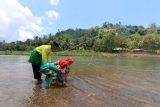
pixel 85 53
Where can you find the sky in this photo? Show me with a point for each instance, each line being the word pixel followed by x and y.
pixel 23 19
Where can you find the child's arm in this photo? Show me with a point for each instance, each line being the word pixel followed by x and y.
pixel 57 71
pixel 67 69
pixel 56 63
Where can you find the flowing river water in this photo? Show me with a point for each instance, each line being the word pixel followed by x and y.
pixel 95 81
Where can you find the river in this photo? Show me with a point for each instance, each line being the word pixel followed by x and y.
pixel 94 81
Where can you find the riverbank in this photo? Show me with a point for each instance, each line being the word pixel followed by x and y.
pixel 8 52
pixel 62 53
pixel 84 53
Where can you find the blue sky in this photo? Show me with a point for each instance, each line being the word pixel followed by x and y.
pixel 22 19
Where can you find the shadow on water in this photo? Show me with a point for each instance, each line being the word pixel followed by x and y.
pixel 94 82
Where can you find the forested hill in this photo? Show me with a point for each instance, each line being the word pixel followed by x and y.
pixel 105 38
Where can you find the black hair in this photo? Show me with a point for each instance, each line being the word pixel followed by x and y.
pixel 55 44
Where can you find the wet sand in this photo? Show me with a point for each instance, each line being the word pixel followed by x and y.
pixel 93 91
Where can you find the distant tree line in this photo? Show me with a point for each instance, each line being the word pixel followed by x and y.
pixel 104 39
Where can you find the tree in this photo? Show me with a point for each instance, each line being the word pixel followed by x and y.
pixel 141 30
pixel 132 29
pixel 121 41
pixel 135 40
pixel 152 29
pixel 106 43
pixel 151 42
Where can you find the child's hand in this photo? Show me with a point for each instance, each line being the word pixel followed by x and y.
pixel 58 66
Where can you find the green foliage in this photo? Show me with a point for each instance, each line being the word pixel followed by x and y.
pixel 108 43
pixel 105 42
pixel 103 39
pixel 151 42
pixel 135 41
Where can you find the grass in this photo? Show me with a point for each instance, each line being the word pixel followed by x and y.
pixel 8 52
pixel 63 53
pixel 75 53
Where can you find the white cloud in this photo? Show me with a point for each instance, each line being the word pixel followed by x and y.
pixel 23 35
pixel 54 2
pixel 16 21
pixel 52 16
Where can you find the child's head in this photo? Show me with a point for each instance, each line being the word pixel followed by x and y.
pixel 67 61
